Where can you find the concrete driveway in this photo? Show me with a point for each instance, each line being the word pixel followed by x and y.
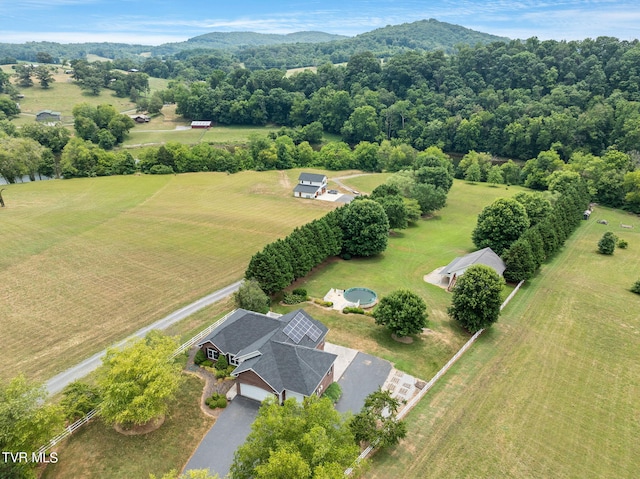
pixel 230 431
pixel 363 376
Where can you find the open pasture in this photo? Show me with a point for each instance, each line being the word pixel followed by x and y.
pixel 86 262
pixel 551 390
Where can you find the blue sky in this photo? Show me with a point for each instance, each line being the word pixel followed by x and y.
pixel 153 22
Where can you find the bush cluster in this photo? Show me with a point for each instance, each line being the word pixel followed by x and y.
pixel 333 392
pixel 216 400
pixel 636 287
pixel 298 295
pixel 352 309
pixel 326 304
pixel 199 358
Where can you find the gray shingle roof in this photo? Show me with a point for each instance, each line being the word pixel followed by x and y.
pixel 484 256
pixel 316 178
pixel 306 189
pixel 281 362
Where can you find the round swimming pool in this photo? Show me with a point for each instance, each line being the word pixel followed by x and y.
pixel 366 296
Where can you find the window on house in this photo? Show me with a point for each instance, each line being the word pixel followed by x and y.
pixel 233 360
pixel 212 354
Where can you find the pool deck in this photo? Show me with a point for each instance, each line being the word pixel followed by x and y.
pixel 336 296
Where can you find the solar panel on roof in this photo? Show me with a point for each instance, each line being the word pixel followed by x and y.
pixel 300 326
pixel 314 333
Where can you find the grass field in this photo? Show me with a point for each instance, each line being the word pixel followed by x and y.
pixel 553 389
pixel 87 262
pixel 158 132
pixel 411 254
pixel 98 451
pixel 64 94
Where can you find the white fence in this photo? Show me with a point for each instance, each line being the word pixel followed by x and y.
pixel 71 428
pixel 417 398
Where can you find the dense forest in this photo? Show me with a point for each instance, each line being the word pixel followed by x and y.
pixel 510 99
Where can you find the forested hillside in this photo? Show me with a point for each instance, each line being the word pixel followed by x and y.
pixel 257 50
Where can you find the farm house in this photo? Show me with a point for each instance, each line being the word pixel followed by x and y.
pixel 310 185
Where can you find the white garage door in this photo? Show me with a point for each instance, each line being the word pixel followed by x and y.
pixel 296 396
pixel 254 392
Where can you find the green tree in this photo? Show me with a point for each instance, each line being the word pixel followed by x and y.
pixel 26 421
pixel 79 399
pixel 366 156
pixel 477 298
pixel 249 296
pixel 402 312
pixel 607 244
pixel 511 172
pixel 396 211
pixel 500 224
pixel 23 75
pixel 632 191
pixel 519 261
pixel 437 176
pixel 536 205
pixel 377 422
pixel 636 287
pixel 309 438
pixel 8 107
pixel 362 125
pixel 44 76
pixel 365 228
pixel 429 197
pixel 136 382
pixel 473 173
pixel 495 176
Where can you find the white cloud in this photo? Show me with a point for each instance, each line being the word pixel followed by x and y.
pixel 84 37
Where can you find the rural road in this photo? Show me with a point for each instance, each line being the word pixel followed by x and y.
pixel 80 370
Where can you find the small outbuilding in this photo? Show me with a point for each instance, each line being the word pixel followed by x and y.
pixel 459 265
pixel 48 116
pixel 200 124
pixel 586 215
pixel 141 118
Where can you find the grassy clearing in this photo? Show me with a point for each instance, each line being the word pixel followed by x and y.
pixel 553 390
pixel 98 451
pixel 86 262
pixel 166 131
pixel 411 254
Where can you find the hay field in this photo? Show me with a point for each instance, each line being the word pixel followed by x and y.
pixel 554 389
pixel 86 262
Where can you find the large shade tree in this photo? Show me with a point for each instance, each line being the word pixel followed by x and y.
pixel 365 228
pixel 476 298
pixel 403 312
pixel 136 382
pixel 500 224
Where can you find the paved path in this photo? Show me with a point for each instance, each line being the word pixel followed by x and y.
pixel 229 432
pixel 342 185
pixel 364 375
pixel 58 382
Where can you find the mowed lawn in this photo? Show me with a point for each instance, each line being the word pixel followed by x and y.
pixel 553 389
pixel 98 451
pixel 86 262
pixel 410 255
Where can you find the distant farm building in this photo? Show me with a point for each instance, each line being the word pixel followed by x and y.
pixel 310 185
pixel 459 265
pixel 140 118
pixel 48 116
pixel 200 124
